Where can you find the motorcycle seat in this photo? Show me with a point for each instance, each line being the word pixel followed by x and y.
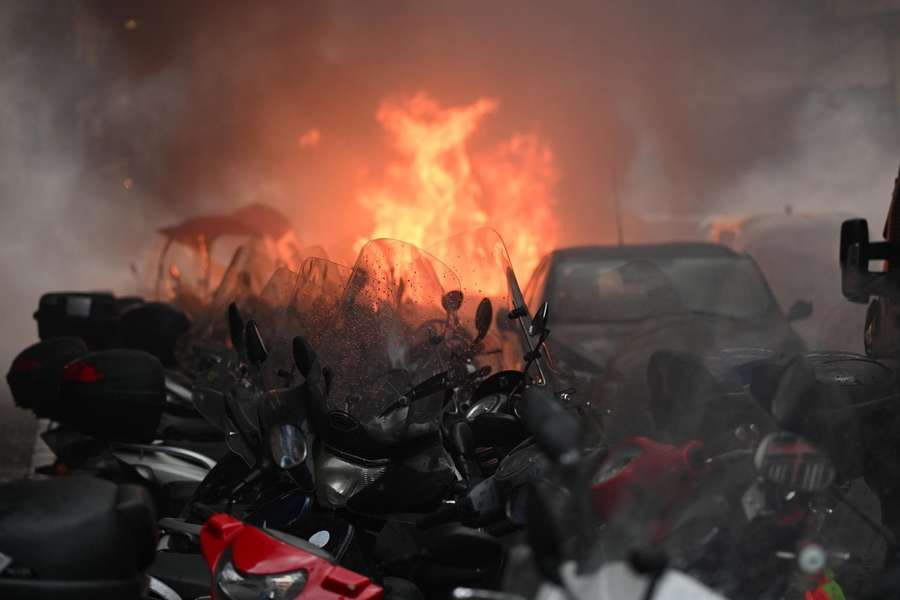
pixel 74 537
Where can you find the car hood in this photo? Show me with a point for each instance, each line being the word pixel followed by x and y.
pixel 601 343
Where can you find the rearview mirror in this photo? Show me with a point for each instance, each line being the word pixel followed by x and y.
pixel 801 309
pixel 304 356
pixel 256 348
pixel 792 463
pixel 539 323
pixel 856 251
pixel 452 300
pixel 236 328
pixel 288 446
pixel 483 317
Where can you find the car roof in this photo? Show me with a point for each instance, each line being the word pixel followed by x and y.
pixel 672 249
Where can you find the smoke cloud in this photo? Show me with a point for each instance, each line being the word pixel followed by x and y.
pixel 674 109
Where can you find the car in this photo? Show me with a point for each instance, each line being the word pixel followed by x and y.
pixel 699 296
pixel 796 252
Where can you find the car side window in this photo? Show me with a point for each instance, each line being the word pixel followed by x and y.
pixel 535 285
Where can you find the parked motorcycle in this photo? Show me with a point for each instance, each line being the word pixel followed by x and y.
pixel 109 411
pixel 746 523
pixel 249 562
pixel 385 406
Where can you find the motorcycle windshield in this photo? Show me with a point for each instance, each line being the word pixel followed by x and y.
pixel 480 260
pixel 387 337
pixel 296 303
pixel 318 289
pixel 245 277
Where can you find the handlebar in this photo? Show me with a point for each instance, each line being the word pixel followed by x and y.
pixel 555 430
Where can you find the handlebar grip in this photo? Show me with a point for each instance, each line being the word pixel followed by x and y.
pixel 554 429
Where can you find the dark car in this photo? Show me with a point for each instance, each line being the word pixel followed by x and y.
pixel 699 296
pixel 796 253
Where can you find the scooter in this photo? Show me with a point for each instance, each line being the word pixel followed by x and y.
pixel 107 409
pixel 790 474
pixel 249 562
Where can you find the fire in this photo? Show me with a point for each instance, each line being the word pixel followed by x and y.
pixel 437 188
pixel 310 139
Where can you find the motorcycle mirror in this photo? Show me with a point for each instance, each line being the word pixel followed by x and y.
pixel 256 348
pixel 452 300
pixel 539 323
pixel 800 310
pixel 483 317
pixel 236 328
pixel 288 446
pixel 791 462
pixel 304 355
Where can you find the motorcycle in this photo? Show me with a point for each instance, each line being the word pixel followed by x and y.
pixel 745 523
pixel 108 410
pixel 402 318
pixel 249 562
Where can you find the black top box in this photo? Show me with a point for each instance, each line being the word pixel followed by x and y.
pixel 35 374
pixel 114 394
pixel 153 327
pixel 89 315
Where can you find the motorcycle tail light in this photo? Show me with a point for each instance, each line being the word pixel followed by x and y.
pixel 232 584
pixel 82 372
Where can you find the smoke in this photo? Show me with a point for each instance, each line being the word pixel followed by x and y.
pixel 673 109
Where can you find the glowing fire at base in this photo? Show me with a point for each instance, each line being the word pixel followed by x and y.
pixel 437 188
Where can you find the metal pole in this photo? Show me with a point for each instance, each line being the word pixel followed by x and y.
pixel 617 208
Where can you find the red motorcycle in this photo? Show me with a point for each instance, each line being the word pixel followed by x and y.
pixel 247 562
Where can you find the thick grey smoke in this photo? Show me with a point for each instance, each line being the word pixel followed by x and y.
pixel 687 108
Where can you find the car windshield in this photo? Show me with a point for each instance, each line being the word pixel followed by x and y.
pixel 620 290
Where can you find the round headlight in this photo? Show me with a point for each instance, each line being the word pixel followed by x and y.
pixel 232 584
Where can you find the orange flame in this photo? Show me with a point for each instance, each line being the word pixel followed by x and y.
pixel 437 188
pixel 310 139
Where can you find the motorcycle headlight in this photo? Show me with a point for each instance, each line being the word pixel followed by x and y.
pixel 338 480
pixel 486 405
pixel 231 584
